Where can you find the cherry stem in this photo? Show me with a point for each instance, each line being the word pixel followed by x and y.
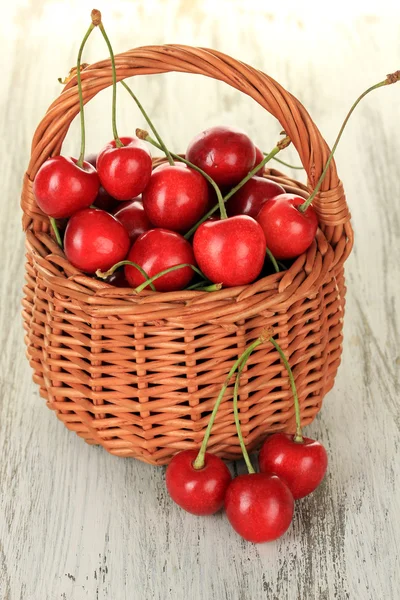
pixel 150 124
pixel 246 457
pixel 280 145
pixel 200 459
pixel 200 287
pixel 273 260
pixel 105 274
pixel 298 436
pixel 54 225
pixel 118 142
pixel 81 106
pixel 143 135
pixel 392 78
pixel 279 160
pixel 143 285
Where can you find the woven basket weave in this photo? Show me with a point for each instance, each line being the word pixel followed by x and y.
pixel 139 374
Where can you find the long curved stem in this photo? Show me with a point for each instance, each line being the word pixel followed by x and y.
pixel 54 225
pixel 149 122
pixel 199 461
pixel 246 457
pixel 273 260
pixel 282 162
pixel 143 285
pixel 121 263
pixel 81 105
pixel 118 142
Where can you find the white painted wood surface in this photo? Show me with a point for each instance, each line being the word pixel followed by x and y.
pixel 76 523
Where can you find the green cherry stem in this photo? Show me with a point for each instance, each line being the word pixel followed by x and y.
pixel 199 461
pixel 105 274
pixel 150 124
pixel 280 145
pixel 282 162
pixel 298 436
pixel 81 105
pixel 54 225
pixel 273 260
pixel 143 285
pixel 144 135
pixel 246 457
pixel 200 287
pixel 118 142
pixel 392 78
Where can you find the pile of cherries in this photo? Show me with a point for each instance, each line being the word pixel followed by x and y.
pixel 121 209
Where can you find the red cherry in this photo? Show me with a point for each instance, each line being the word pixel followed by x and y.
pixel 118 279
pixel 124 172
pixel 61 187
pixel 302 465
pixel 156 250
pixel 288 231
pixel 230 251
pixel 133 218
pixel 250 198
pixel 104 201
pixel 259 158
pixel 226 154
pixel 123 203
pixel 198 491
pixel 259 507
pixel 94 239
pixel 176 197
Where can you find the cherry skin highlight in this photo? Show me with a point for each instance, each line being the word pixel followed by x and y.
pixel 198 491
pixel 157 250
pixel 124 172
pixel 62 188
pixel 259 507
pixel 176 197
pixel 302 465
pixel 226 154
pixel 288 231
pixel 94 239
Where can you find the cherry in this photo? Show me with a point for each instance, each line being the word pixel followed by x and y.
pixel 118 279
pixel 198 491
pixel 288 231
pixel 259 506
pixel 249 199
pixel 259 158
pixel 104 201
pixel 226 154
pixel 133 218
pixel 176 197
pixel 62 187
pixel 230 251
pixel 94 239
pixel 302 465
pixel 124 171
pixel 157 250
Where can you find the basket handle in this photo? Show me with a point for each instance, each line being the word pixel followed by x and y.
pixel 330 203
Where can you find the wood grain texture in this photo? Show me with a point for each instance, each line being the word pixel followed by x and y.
pixel 77 523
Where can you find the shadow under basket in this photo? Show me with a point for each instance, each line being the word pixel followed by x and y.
pixel 139 374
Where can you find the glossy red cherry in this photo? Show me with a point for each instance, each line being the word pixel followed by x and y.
pixel 176 197
pixel 104 201
pixel 226 154
pixel 124 172
pixel 198 491
pixel 251 197
pixel 302 465
pixel 259 507
pixel 62 188
pixel 230 251
pixel 157 250
pixel 259 158
pixel 288 231
pixel 133 218
pixel 94 239
pixel 118 279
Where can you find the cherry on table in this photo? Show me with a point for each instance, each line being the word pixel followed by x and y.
pixel 198 491
pixel 133 217
pixel 62 187
pixel 288 231
pixel 157 250
pixel 250 198
pixel 176 197
pixel 230 251
pixel 259 507
pixel 302 465
pixel 226 154
pixel 94 239
pixel 124 171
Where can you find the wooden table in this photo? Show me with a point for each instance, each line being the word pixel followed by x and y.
pixel 77 523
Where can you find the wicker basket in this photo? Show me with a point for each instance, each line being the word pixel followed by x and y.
pixel 139 374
